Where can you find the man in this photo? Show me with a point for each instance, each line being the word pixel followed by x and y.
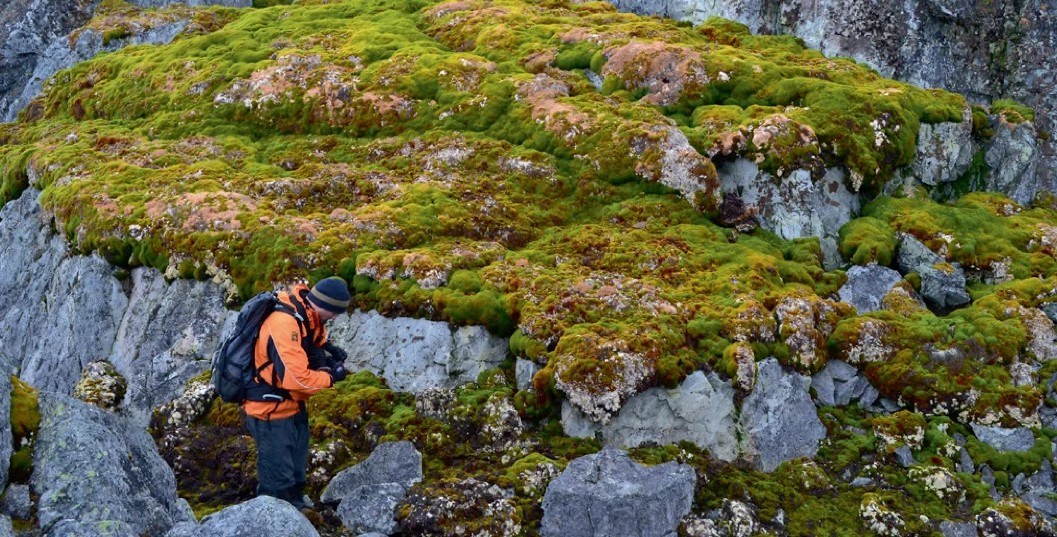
pixel 291 367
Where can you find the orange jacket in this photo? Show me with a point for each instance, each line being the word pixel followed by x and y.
pixel 279 346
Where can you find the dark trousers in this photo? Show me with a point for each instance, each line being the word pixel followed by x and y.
pixel 282 455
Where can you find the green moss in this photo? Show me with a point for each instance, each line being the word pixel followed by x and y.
pixel 25 422
pixel 1012 111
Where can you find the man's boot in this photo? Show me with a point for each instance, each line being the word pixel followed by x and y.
pixel 297 497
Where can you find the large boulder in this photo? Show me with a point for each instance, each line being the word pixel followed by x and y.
pixel 841 384
pixel 778 418
pixel 262 515
pixel 943 287
pixel 97 474
pixel 6 448
pixel 414 354
pixel 165 338
pixel 1005 439
pixel 912 253
pixel 794 206
pixel 390 462
pixel 609 495
pixel 944 151
pixel 32 254
pixel 867 286
pixel 664 416
pixel 1013 157
pixel 370 491
pixel 84 304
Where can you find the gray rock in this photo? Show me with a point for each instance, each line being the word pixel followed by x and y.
pixel 262 515
pixel 6 447
pixel 943 289
pixel 779 419
pixel 1004 439
pixel 83 305
pixel 912 253
pixel 957 529
pixel 413 354
pixel 607 494
pixel 370 508
pixel 16 502
pixel 391 462
pixel 1013 158
pixel 524 371
pixel 867 286
pixel 94 469
pixel 904 456
pixel 165 338
pixel 1038 490
pixel 862 481
pixel 794 206
pixel 372 534
pixel 987 476
pixel 1050 309
pixel 668 416
pixel 965 462
pixel 185 529
pixel 840 384
pixel 6 529
pixel 32 254
pixel 944 151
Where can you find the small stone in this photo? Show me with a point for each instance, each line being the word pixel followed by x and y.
pixel 904 456
pixel 965 462
pixel 16 502
pixel 862 481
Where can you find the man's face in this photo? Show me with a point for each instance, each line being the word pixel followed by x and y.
pixel 325 315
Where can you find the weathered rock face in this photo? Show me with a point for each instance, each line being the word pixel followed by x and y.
pixel 779 418
pixel 166 336
pixel 84 304
pixel 413 354
pixel 669 416
pixel 94 470
pixel 32 253
pixel 36 42
pixel 985 50
pixel 608 494
pixel 795 205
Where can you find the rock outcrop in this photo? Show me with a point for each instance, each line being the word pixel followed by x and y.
pixel 166 336
pixel 867 287
pixel 609 495
pixel 669 416
pixel 413 355
pixel 32 253
pixel 97 474
pixel 795 205
pixel 779 418
pixel 368 493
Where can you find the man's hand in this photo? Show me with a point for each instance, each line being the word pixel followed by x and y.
pixel 336 352
pixel 317 360
pixel 338 372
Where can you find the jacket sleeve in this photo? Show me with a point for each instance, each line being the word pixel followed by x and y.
pixel 289 358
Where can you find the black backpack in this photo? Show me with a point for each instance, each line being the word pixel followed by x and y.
pixel 234 374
